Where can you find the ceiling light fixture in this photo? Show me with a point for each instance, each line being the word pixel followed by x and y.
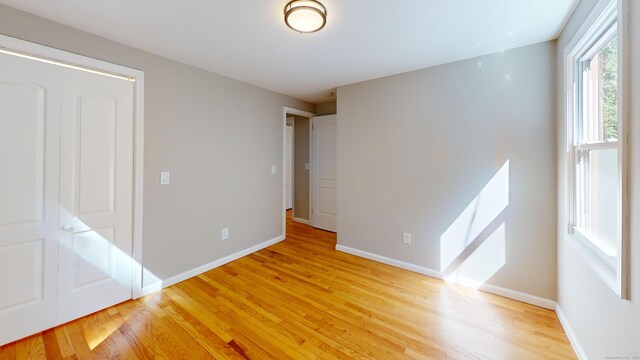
pixel 305 16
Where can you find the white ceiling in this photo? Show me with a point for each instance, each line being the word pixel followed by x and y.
pixel 364 39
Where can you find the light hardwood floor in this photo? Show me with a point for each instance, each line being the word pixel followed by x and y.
pixel 302 299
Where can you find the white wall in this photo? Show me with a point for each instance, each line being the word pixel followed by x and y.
pixel 217 136
pixel 602 324
pixel 416 149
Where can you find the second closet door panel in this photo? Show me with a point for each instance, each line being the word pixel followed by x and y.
pixel 95 193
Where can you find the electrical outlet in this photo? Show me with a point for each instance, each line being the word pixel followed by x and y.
pixel 225 234
pixel 406 238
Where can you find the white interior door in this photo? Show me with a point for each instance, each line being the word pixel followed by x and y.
pixel 289 168
pixel 324 173
pixel 96 187
pixel 66 156
pixel 29 155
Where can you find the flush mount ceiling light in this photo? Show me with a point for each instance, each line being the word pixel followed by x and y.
pixel 305 16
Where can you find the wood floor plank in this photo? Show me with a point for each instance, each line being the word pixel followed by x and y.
pixel 64 342
pixel 51 347
pixel 8 352
pixel 203 335
pixel 301 299
pixel 31 348
pixel 206 315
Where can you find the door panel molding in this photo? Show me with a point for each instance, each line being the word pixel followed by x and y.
pixel 30 188
pixel 87 107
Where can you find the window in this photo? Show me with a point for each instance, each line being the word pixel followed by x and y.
pixel 595 120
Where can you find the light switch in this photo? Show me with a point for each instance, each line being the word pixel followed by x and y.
pixel 306 166
pixel 273 169
pixel 165 178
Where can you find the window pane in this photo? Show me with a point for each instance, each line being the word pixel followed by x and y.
pixel 609 58
pixel 597 194
pixel 600 95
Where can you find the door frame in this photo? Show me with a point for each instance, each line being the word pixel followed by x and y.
pixel 33 51
pixel 293 154
pixel 291 111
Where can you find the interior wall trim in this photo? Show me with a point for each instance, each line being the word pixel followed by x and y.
pixel 301 221
pixel 493 289
pixel 209 266
pixel 571 335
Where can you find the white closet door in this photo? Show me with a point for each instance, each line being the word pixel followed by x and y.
pixel 95 193
pixel 289 168
pixel 29 155
pixel 325 172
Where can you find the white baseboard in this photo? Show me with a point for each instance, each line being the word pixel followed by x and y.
pixel 520 296
pixel 508 293
pixel 206 267
pixel 573 339
pixel 393 262
pixel 302 221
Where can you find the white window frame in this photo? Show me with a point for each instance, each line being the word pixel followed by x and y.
pixel 612 265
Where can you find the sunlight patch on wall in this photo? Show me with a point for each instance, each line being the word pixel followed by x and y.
pixel 472 249
pixel 485 261
pixel 475 218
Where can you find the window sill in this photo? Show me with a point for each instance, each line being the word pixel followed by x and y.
pixel 602 264
pixel 607 251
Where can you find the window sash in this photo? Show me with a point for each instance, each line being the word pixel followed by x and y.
pixel 597 145
pixel 600 42
pixel 583 63
pixel 590 213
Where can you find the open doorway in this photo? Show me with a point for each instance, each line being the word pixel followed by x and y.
pixel 296 160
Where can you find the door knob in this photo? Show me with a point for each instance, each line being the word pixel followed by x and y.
pixel 68 228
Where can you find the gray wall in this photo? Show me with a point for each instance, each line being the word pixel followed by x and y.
pixel 326 109
pixel 301 175
pixel 217 136
pixel 603 324
pixel 416 149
